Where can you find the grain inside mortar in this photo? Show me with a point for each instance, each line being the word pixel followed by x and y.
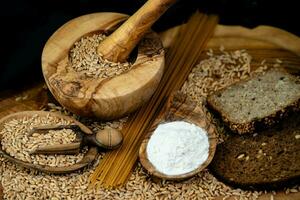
pixel 209 75
pixel 85 59
pixel 16 141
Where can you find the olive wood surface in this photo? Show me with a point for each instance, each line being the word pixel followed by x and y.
pixel 87 159
pixel 179 109
pixel 108 98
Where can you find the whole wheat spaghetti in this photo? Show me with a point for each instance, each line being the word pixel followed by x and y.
pixel 117 165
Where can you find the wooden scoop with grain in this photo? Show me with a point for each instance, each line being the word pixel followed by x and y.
pixel 108 138
pixel 88 158
pixel 117 96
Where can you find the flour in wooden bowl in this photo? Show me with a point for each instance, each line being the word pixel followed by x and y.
pixel 178 147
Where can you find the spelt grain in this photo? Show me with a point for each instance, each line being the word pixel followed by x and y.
pixel 85 59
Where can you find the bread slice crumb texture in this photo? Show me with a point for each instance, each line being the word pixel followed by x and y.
pixel 258 97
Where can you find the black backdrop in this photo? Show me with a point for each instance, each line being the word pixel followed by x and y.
pixel 27 24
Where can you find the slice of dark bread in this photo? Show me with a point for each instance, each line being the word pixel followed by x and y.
pixel 268 160
pixel 258 102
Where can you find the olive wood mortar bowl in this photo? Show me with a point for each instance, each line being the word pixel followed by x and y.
pixel 180 110
pixel 86 160
pixel 108 98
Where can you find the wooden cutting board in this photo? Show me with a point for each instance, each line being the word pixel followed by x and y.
pixel 263 43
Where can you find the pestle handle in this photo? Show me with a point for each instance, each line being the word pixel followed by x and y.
pixel 122 41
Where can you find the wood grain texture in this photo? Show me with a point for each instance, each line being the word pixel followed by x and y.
pixel 13 101
pixel 179 109
pixel 121 42
pixel 238 37
pixel 269 34
pixel 87 159
pixel 103 98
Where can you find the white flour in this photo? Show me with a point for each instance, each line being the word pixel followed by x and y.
pixel 177 147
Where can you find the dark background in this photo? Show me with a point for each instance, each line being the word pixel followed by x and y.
pixel 27 24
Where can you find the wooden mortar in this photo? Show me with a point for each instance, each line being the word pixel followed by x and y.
pixel 117 96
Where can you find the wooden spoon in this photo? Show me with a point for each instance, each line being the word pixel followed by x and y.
pixel 87 159
pixel 112 97
pixel 108 138
pixel 180 109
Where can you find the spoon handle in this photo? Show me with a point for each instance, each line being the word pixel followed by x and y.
pixel 72 148
pixel 90 140
pixel 108 138
pixel 121 42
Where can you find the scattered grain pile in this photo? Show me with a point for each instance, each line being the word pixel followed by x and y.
pixel 85 59
pixel 219 71
pixel 210 74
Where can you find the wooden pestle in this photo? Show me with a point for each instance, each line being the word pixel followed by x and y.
pixel 118 46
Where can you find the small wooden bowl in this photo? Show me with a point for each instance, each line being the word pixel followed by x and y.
pixel 108 98
pixel 180 111
pixel 86 160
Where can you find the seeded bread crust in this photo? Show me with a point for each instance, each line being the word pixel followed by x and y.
pixel 256 124
pixel 268 160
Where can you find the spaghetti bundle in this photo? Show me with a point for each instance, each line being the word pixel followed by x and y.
pixel 116 166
